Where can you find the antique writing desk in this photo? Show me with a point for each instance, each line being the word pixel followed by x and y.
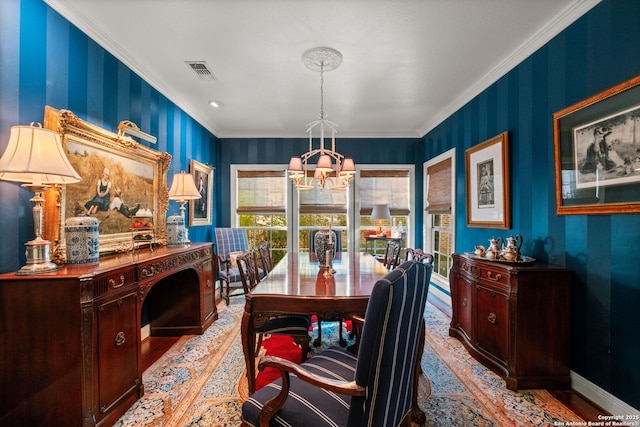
pixel 297 286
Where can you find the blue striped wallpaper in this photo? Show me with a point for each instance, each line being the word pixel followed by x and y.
pixel 598 51
pixel 50 62
pixel 44 60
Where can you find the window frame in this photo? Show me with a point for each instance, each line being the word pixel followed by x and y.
pixel 442 289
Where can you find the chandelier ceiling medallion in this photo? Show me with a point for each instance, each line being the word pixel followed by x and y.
pixel 340 173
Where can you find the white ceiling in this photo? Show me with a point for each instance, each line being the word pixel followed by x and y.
pixel 407 64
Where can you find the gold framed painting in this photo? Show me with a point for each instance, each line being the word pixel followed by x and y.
pixel 134 175
pixel 597 159
pixel 487 183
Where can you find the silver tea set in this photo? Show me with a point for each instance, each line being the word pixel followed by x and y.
pixel 501 249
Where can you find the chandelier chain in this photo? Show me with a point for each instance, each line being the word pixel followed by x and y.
pixel 322 90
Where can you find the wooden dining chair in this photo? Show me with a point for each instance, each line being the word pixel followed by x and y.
pixel 264 252
pixel 337 247
pixel 391 255
pixel 295 326
pixel 418 255
pixel 378 387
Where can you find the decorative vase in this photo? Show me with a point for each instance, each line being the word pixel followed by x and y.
pixel 175 231
pixel 82 238
pixel 321 244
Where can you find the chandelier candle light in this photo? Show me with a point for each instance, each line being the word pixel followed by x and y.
pixel 322 59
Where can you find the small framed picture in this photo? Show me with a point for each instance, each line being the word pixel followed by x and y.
pixel 487 183
pixel 200 209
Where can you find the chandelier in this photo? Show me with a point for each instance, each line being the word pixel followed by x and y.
pixel 331 167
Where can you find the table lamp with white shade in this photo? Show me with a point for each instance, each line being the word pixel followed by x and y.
pixel 380 213
pixel 35 157
pixel 183 188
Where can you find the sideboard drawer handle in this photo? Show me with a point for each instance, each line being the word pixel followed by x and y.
pixel 120 339
pixel 113 284
pixel 464 302
pixel 208 283
pixel 492 277
pixel 492 318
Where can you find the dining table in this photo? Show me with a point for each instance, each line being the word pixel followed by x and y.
pixel 299 284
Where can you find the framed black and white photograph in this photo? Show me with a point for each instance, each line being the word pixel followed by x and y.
pixel 200 209
pixel 487 183
pixel 597 152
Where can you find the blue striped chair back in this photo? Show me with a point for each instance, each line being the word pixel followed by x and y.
pixel 389 346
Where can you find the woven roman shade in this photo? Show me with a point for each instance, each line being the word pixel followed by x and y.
pixel 390 186
pixel 262 192
pixel 439 193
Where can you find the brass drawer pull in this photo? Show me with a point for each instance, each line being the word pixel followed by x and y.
pixel 492 318
pixel 208 283
pixel 113 284
pixel 464 302
pixel 492 277
pixel 120 339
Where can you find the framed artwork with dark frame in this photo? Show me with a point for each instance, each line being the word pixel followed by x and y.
pixel 134 175
pixel 597 153
pixel 200 209
pixel 487 183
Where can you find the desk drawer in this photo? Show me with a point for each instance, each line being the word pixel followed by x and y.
pixel 112 282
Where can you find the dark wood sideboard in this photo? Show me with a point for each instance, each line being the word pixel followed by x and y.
pixel 70 351
pixel 514 318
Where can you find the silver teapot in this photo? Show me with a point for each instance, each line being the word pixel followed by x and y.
pixel 493 252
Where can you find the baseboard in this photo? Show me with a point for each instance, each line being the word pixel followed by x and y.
pixel 600 397
pixel 145 332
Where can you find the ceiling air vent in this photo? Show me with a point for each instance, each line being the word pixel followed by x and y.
pixel 201 70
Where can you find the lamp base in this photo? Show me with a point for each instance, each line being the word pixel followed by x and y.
pixel 38 259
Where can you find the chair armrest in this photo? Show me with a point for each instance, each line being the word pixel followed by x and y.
pixel 224 262
pixel 272 406
pixel 343 387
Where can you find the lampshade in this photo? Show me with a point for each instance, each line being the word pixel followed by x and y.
pixel 295 164
pixel 381 212
pixel 183 187
pixel 324 164
pixel 34 155
pixel 348 167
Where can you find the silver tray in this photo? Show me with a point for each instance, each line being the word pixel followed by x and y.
pixel 522 259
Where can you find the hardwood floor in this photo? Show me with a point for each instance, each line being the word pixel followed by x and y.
pixel 153 348
pixel 578 404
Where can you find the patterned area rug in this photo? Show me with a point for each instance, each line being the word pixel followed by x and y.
pixel 200 382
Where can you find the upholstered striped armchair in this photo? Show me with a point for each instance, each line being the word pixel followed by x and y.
pixel 378 387
pixel 230 242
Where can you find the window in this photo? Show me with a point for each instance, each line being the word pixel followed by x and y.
pixel 439 219
pixel 390 184
pixel 261 208
pixel 266 203
pixel 319 208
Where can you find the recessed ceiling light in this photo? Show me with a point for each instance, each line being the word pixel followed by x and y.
pixel 216 104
